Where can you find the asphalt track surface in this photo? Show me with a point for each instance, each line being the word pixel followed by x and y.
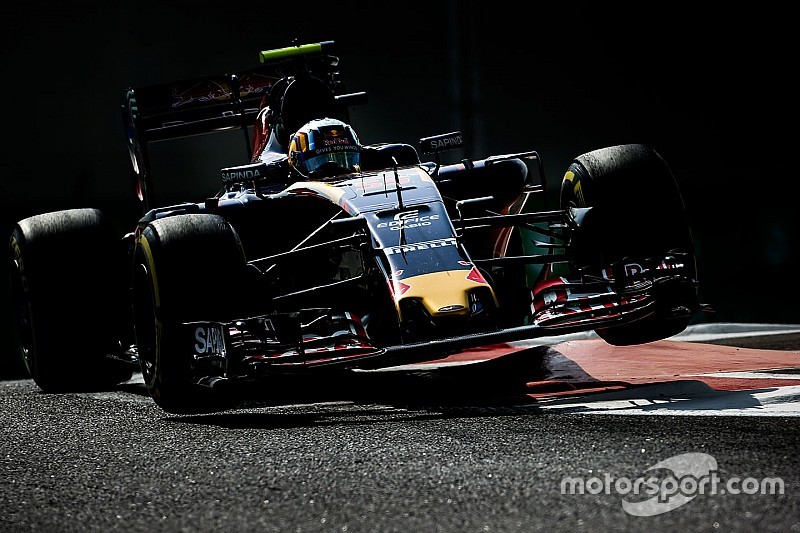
pixel 456 445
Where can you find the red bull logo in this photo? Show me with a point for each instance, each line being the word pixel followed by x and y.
pixel 253 83
pixel 204 91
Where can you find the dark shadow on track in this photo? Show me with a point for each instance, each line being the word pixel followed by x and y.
pixel 481 387
pixel 364 414
pixel 478 382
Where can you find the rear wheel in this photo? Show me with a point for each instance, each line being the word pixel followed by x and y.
pixel 68 297
pixel 637 213
pixel 184 270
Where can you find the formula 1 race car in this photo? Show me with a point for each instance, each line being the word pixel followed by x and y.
pixel 320 253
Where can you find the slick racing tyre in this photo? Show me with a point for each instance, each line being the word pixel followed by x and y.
pixel 68 292
pixel 182 272
pixel 637 213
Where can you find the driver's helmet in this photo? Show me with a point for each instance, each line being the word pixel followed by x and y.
pixel 324 148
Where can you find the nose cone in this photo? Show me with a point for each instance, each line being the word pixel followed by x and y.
pixel 441 293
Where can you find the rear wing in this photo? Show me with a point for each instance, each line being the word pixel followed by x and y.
pixel 214 103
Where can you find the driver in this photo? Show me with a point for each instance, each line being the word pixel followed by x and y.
pixel 324 148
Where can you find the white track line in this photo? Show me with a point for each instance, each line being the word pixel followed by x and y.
pixel 749 375
pixel 683 398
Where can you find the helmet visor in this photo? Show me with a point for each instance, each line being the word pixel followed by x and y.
pixel 332 163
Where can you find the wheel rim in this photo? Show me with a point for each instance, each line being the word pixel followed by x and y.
pixel 145 323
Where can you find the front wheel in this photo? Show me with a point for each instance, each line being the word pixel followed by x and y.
pixel 185 269
pixel 637 213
